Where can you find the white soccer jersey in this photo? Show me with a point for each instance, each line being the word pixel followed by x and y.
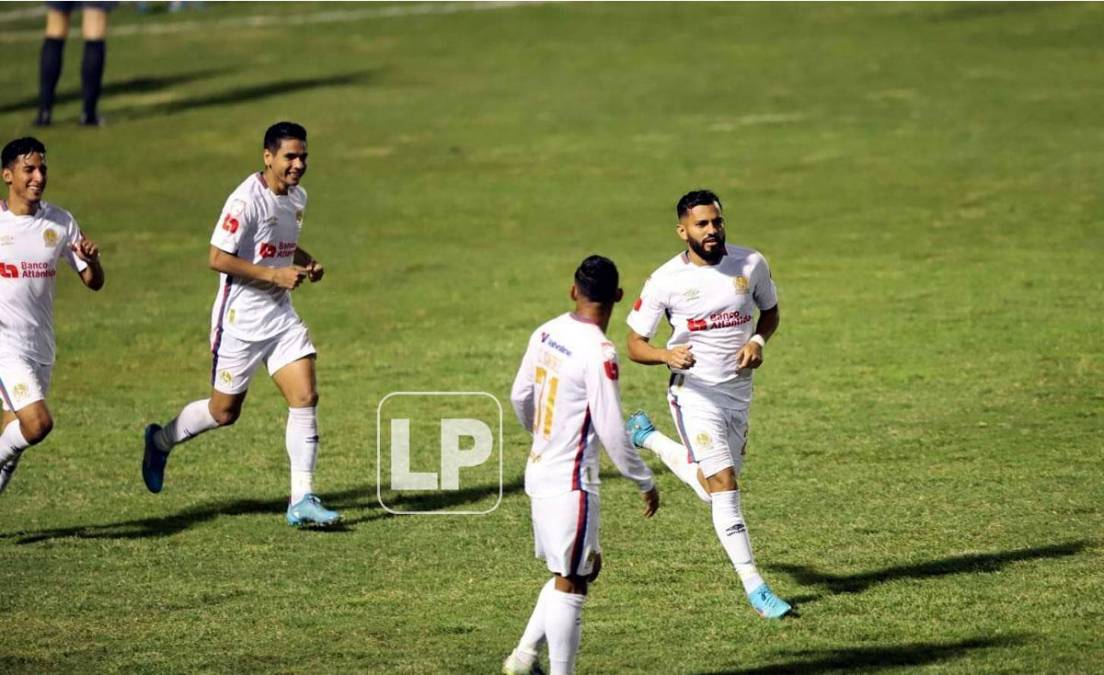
pixel 263 228
pixel 567 395
pixel 712 308
pixel 30 247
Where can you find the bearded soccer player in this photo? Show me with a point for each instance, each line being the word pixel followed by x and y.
pixel 567 395
pixel 255 249
pixel 34 236
pixel 709 294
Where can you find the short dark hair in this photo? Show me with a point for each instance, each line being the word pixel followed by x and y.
pixel 597 279
pixel 281 130
pixel 20 147
pixel 696 198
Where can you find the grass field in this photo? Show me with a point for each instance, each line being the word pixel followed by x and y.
pixel 925 473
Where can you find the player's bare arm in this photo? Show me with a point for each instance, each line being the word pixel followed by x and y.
pixel 285 277
pixel 89 252
pixel 645 353
pixel 313 267
pixel 751 354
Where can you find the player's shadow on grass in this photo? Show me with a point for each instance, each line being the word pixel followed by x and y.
pixel 356 499
pixel 141 84
pixel 959 564
pixel 874 658
pixel 439 501
pixel 244 94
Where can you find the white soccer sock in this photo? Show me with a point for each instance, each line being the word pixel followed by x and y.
pixel 674 456
pixel 563 624
pixel 192 421
pixel 12 443
pixel 728 521
pixel 533 638
pixel 302 449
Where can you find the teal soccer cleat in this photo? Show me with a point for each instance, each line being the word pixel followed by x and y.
pixel 639 427
pixel 153 461
pixel 767 604
pixel 309 512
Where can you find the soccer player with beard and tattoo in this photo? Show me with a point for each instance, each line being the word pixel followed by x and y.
pixel 709 294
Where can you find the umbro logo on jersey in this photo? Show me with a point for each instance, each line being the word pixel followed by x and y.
pixel 8 271
pixel 736 529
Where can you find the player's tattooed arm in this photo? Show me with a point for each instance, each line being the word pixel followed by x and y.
pixel 644 352
pixel 751 354
pixel 306 260
pixel 284 277
pixel 93 275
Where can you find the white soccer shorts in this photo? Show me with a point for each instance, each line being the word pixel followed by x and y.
pixel 565 532
pixel 234 360
pixel 714 432
pixel 22 381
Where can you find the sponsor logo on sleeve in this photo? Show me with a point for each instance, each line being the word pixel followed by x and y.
pixel 230 224
pixel 637 304
pixel 20 391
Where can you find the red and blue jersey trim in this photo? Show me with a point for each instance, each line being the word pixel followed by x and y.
pixel 580 451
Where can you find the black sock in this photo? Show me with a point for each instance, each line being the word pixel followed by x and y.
pixel 92 68
pixel 49 70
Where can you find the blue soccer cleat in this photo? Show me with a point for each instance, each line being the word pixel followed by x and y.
pixel 767 604
pixel 153 461
pixel 309 512
pixel 639 427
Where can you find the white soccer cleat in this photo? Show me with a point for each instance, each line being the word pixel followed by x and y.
pixel 7 470
pixel 515 665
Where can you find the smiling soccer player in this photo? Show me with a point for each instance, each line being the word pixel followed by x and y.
pixel 34 236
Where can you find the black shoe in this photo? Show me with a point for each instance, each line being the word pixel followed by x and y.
pixel 92 120
pixel 42 119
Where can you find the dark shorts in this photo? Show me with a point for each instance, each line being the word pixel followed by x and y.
pixel 69 7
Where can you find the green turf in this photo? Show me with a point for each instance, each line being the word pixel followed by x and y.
pixel 925 469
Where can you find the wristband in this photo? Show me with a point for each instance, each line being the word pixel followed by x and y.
pixel 758 339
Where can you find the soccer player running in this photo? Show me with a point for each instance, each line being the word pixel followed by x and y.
pixel 34 236
pixel 255 249
pixel 709 294
pixel 567 395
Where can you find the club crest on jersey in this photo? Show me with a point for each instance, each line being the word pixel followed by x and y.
pixel 20 391
pixel 741 284
pixel 50 237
